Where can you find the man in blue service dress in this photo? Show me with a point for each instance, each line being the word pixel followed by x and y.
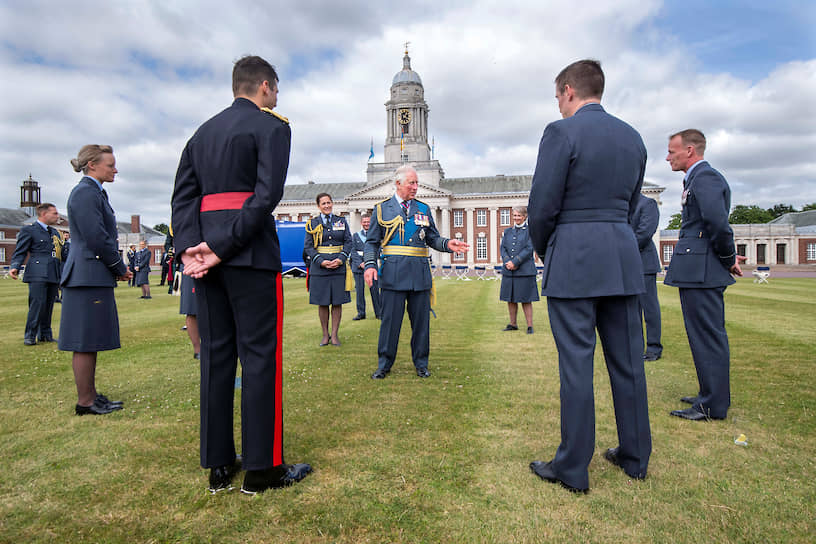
pixel 701 266
pixel 358 268
pixel 230 178
pixel 644 223
pixel 42 243
pixel 585 188
pixel 402 231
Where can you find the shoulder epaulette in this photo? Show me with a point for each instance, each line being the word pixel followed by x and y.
pixel 276 114
pixel 383 201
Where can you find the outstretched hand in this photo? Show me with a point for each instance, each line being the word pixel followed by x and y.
pixel 458 246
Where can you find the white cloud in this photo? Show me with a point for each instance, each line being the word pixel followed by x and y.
pixel 142 76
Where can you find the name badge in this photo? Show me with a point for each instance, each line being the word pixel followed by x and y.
pixel 339 225
pixel 421 220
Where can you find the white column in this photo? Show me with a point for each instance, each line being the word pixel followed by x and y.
pixel 492 257
pixel 445 231
pixel 470 236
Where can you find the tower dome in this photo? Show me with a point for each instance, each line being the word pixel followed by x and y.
pixel 406 75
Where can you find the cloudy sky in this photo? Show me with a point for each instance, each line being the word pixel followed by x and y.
pixel 142 75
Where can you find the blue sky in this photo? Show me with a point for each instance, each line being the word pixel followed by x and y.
pixel 142 76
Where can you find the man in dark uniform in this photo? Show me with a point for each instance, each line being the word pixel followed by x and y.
pixel 230 178
pixel 131 259
pixel 703 261
pixel 402 231
pixel 165 267
pixel 358 268
pixel 585 188
pixel 42 243
pixel 644 223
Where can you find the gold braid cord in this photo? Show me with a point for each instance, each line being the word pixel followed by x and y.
pixel 390 227
pixel 58 243
pixel 317 232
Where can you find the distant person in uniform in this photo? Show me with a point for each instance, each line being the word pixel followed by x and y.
pixel 518 284
pixel 358 267
pixel 42 244
pixel 165 267
pixel 702 265
pixel 142 268
pixel 90 323
pixel 644 223
pixel 66 249
pixel 230 178
pixel 585 188
pixel 328 246
pixel 131 263
pixel 401 234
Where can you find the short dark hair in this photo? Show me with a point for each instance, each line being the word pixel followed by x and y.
pixel 321 195
pixel 365 215
pixel 584 76
pixel 44 207
pixel 248 74
pixel 694 138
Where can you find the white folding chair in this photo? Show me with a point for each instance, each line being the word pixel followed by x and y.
pixel 447 270
pixel 480 272
pixel 761 274
pixel 462 273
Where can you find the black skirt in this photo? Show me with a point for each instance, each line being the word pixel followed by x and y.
pixel 328 290
pixel 518 289
pixel 188 304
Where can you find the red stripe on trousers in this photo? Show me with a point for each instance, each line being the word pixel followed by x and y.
pixel 277 442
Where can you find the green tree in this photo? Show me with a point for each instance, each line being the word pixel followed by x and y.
pixel 674 221
pixel 808 207
pixel 781 209
pixel 743 215
pixel 161 227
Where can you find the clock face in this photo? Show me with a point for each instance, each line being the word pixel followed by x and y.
pixel 404 117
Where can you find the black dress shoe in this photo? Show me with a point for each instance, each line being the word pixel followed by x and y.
pixel 545 472
pixel 115 404
pixel 688 400
pixel 611 455
pixel 326 343
pixel 692 414
pixel 423 373
pixel 358 317
pixel 335 342
pixel 529 330
pixel 221 477
pixel 510 328
pixel 651 356
pixel 29 342
pixel 258 481
pixel 379 374
pixel 49 339
pixel 197 356
pixel 97 409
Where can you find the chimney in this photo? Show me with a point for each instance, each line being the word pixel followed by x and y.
pixel 135 224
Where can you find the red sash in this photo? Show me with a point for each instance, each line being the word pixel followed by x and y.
pixel 224 201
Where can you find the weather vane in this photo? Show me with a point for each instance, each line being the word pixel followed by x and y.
pixel 406 47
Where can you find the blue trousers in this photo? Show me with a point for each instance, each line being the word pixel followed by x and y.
pixel 360 287
pixel 41 297
pixel 704 316
pixel 419 314
pixel 650 306
pixel 573 323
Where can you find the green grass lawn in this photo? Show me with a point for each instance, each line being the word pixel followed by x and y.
pixel 404 459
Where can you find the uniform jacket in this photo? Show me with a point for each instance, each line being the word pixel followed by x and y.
pixel 357 252
pixel 241 149
pixel 644 223
pixel 38 244
pixel 516 246
pixel 94 259
pixel 705 248
pixel 143 260
pixel 335 233
pixel 401 272
pixel 131 259
pixel 585 187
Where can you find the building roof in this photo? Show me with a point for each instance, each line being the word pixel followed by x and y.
pixel 123 227
pixel 797 219
pixel 14 217
pixel 406 75
pixel 308 191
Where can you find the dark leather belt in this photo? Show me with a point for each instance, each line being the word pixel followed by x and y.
pixel 224 201
pixel 600 215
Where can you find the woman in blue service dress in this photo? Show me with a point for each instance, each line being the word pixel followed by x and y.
pixel 328 245
pixel 90 323
pixel 519 272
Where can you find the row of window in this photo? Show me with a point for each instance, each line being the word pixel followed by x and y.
pixel 810 252
pixel 458 218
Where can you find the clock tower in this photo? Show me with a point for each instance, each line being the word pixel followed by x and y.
pixel 406 140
